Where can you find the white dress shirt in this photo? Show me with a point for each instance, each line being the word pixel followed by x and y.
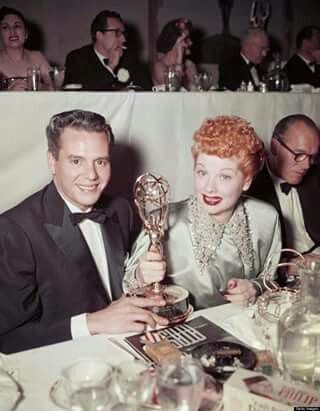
pixel 101 57
pixel 296 234
pixel 253 72
pixel 93 236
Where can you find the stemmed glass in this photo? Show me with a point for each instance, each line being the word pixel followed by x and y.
pixel 56 74
pixel 203 81
pixel 88 383
pixel 180 384
pixel 134 384
pixel 172 79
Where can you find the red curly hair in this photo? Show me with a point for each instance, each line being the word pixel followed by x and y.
pixel 230 136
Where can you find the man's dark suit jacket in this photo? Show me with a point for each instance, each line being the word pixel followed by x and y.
pixel 309 194
pixel 298 72
pixel 233 72
pixel 47 273
pixel 84 67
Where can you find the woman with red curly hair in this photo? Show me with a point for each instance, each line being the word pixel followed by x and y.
pixel 218 242
pixel 174 49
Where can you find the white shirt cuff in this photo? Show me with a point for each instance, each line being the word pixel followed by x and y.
pixel 79 326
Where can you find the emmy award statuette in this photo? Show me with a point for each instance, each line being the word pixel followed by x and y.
pixel 151 196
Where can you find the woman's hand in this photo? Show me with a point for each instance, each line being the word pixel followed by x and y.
pixel 180 46
pixel 151 268
pixel 240 292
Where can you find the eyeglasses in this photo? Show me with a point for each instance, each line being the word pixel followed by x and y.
pixel 117 32
pixel 299 157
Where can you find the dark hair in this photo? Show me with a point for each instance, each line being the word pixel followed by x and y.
pixel 170 33
pixel 4 11
pixel 79 120
pixel 100 22
pixel 305 33
pixel 286 122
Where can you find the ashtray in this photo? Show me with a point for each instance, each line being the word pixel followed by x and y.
pixel 222 358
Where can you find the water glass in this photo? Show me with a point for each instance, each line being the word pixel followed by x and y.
pixel 34 78
pixel 180 385
pixel 88 383
pixel 134 383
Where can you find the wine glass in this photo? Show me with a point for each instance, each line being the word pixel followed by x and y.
pixel 172 79
pixel 206 81
pixel 180 384
pixel 56 74
pixel 134 383
pixel 88 384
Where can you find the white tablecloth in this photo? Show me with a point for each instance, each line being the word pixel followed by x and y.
pixel 153 132
pixel 38 369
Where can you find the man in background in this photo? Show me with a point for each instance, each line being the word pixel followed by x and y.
pixel 290 181
pixel 246 66
pixel 106 64
pixel 63 250
pixel 304 66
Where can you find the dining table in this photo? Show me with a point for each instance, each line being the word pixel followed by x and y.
pixel 38 371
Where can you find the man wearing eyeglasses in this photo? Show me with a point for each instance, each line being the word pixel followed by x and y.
pixel 97 66
pixel 290 181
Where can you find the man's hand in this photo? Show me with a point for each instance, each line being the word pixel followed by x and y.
pixel 240 292
pixel 127 314
pixel 151 268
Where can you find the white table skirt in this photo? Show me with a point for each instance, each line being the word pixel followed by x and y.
pixel 153 132
pixel 39 368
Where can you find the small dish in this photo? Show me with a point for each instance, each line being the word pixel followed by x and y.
pixel 222 358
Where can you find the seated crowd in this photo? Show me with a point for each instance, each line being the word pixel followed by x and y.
pixel 108 64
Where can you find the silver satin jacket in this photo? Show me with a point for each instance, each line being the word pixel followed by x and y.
pixel 247 248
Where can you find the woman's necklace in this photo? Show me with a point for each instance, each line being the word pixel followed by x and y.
pixel 207 234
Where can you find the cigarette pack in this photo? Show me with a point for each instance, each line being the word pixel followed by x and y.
pixel 251 391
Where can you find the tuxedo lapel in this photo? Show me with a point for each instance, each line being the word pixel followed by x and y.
pixel 69 238
pixel 115 254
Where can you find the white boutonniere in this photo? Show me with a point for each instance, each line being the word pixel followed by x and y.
pixel 123 75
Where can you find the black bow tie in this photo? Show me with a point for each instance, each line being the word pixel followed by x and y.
pixel 312 64
pixel 106 61
pixel 250 65
pixel 285 188
pixel 97 215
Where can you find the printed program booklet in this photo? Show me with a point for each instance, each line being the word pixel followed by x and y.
pixel 185 336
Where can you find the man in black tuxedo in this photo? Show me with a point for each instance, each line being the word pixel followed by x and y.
pixel 290 181
pixel 63 250
pixel 304 66
pixel 105 64
pixel 245 67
